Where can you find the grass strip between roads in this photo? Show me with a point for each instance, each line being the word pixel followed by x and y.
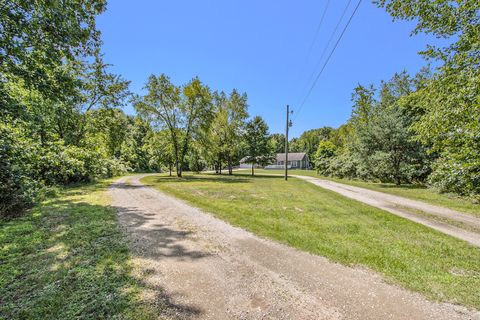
pixel 410 191
pixel 322 222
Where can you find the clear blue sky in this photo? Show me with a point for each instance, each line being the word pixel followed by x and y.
pixel 260 47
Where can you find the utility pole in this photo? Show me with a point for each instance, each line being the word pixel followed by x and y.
pixel 288 125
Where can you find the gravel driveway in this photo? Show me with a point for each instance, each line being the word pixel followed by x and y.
pixel 198 267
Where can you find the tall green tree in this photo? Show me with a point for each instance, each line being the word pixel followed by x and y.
pixel 256 140
pixel 237 113
pixel 160 151
pixel 183 111
pixel 37 38
pixel 385 148
pixel 449 102
pixel 325 152
pixel 277 142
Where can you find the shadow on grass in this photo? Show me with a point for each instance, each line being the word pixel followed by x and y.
pixel 402 186
pixel 203 178
pixel 213 177
pixel 69 259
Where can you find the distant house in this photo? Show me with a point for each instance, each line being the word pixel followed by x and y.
pixel 296 160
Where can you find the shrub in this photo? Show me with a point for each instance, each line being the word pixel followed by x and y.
pixel 18 190
pixel 454 176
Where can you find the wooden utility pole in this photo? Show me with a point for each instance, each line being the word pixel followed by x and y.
pixel 288 125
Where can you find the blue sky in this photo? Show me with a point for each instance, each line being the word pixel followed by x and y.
pixel 260 47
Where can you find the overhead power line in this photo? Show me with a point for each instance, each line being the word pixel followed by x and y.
pixel 329 41
pixel 318 30
pixel 328 59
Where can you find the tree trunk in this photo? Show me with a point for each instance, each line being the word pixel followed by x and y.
pixel 229 161
pixel 398 181
pixel 170 169
pixel 252 169
pixel 177 168
pixel 397 164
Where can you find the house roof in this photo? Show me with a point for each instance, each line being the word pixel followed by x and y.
pixel 293 156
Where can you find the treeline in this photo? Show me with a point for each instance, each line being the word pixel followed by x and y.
pixel 61 118
pixel 197 128
pixel 424 128
pixel 52 79
pixel 377 142
pixel 60 122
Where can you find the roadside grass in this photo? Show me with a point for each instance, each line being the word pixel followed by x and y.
pixel 67 259
pixel 322 222
pixel 411 191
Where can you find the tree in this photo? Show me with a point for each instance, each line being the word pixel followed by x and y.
pixel 383 141
pixel 459 20
pixel 51 69
pixel 214 139
pixel 196 113
pixel 363 99
pixel 448 102
pixel 236 113
pixel 277 142
pixel 38 38
pixel 384 146
pixel 184 112
pixel 256 139
pixel 325 152
pixel 158 146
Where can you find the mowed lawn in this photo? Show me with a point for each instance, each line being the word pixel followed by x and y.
pixel 411 191
pixel 307 217
pixel 67 259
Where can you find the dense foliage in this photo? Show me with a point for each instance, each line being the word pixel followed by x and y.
pixel 421 129
pixel 60 121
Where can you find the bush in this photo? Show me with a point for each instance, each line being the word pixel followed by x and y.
pixel 325 153
pixel 454 176
pixel 344 165
pixel 18 190
pixel 60 164
pixel 115 167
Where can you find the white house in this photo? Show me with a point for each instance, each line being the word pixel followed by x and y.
pixel 296 160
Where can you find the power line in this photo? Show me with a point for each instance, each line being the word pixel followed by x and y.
pixel 329 41
pixel 318 30
pixel 328 59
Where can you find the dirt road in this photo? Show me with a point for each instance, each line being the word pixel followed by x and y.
pixel 406 208
pixel 199 267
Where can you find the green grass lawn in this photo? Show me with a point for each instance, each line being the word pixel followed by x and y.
pixel 322 222
pixel 415 192
pixel 67 259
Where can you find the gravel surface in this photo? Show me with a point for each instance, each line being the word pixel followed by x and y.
pixel 198 267
pixel 399 206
